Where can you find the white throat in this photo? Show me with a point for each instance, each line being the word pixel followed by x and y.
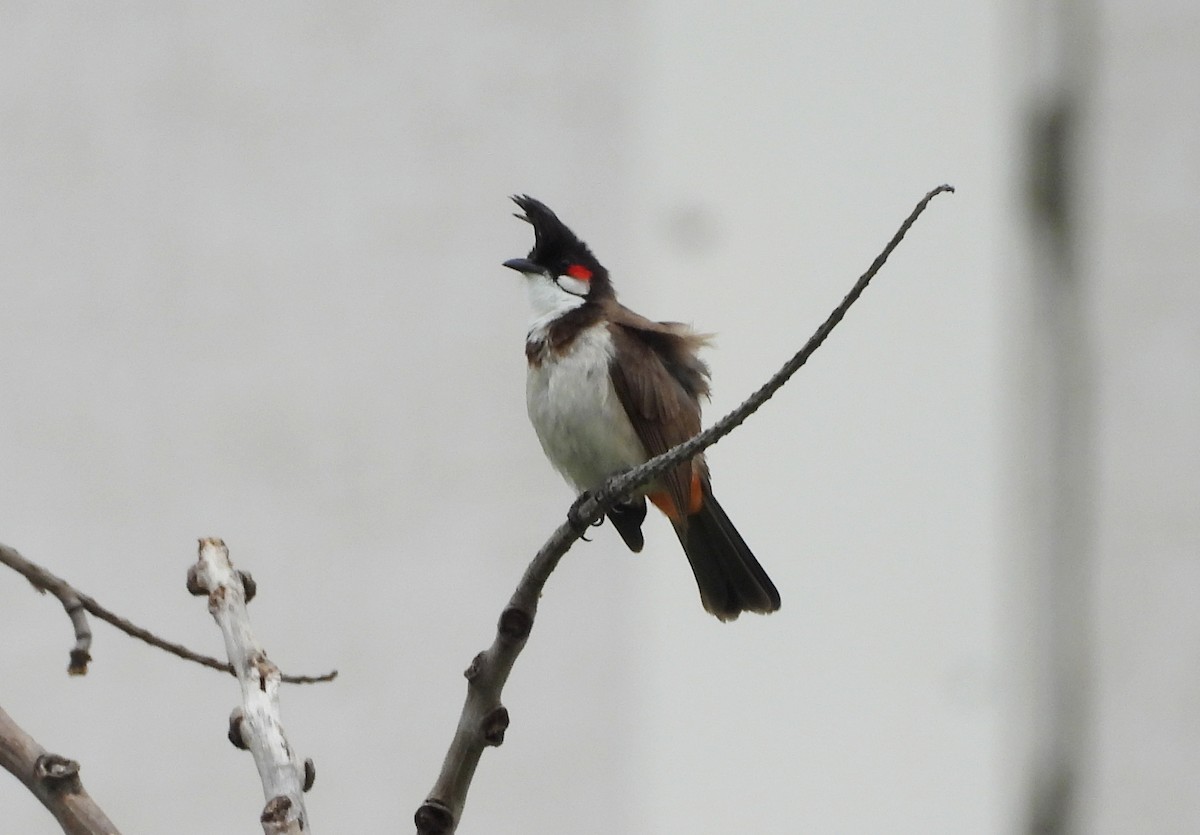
pixel 549 301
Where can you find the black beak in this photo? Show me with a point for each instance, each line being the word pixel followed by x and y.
pixel 524 265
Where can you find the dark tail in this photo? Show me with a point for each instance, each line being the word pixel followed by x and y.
pixel 730 579
pixel 627 518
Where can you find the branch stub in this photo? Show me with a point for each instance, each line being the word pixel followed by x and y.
pixel 58 773
pixel 494 726
pixel 276 810
pixel 433 819
pixel 476 666
pixel 78 665
pixel 249 587
pixel 235 729
pixel 193 583
pixel 515 624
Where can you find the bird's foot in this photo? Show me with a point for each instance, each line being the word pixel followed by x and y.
pixel 575 518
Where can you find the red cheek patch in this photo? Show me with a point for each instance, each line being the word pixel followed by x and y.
pixel 580 272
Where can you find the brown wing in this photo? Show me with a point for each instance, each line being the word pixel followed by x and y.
pixel 659 380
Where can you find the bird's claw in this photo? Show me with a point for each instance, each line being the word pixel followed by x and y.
pixel 575 518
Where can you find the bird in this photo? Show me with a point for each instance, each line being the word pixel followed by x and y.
pixel 608 389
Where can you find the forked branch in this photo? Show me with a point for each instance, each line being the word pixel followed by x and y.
pixel 484 719
pixel 79 605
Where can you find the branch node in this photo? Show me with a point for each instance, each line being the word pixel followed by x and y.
pixel 433 818
pixel 276 810
pixel 79 662
pixel 193 583
pixel 59 774
pixel 248 585
pixel 475 668
pixel 515 624
pixel 236 718
pixel 494 726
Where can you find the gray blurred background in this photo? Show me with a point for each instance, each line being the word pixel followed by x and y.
pixel 250 287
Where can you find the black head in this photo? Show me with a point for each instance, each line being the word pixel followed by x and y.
pixel 558 254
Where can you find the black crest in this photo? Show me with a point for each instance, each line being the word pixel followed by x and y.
pixel 555 246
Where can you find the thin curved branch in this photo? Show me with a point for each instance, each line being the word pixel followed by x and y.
pixel 484 719
pixel 76 604
pixel 54 780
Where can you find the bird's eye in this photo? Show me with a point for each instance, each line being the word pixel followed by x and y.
pixel 579 271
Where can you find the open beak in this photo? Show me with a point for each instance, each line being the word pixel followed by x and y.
pixel 524 265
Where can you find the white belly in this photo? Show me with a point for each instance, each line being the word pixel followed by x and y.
pixel 575 411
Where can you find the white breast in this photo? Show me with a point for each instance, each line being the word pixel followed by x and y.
pixel 575 411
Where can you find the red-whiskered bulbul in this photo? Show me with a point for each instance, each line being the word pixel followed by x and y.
pixel 607 390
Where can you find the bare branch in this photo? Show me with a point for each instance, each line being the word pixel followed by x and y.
pixel 71 600
pixel 54 780
pixel 256 724
pixel 76 604
pixel 620 485
pixel 484 719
